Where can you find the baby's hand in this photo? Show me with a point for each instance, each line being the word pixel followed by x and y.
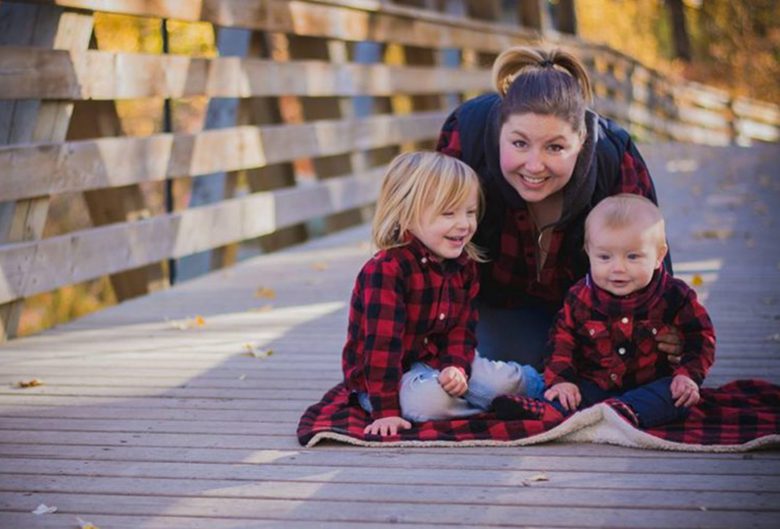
pixel 685 391
pixel 567 393
pixel 453 381
pixel 387 426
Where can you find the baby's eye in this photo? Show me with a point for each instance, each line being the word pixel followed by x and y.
pixel 634 256
pixel 602 257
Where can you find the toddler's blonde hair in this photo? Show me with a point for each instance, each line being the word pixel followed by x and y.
pixel 624 209
pixel 415 182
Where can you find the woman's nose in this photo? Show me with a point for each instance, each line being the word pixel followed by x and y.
pixel 534 162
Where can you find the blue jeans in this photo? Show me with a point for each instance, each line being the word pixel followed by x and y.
pixel 652 403
pixel 423 399
pixel 520 335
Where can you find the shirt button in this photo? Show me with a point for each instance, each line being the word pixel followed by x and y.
pixel 424 260
pixel 622 351
pixel 624 320
pixel 425 340
pixel 441 316
pixel 592 332
pixel 654 330
pixel 613 377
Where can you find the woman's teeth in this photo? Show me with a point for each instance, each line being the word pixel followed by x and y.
pixel 534 180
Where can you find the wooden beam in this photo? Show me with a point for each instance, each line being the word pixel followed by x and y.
pixel 32 267
pixel 40 169
pixel 44 26
pixel 356 21
pixel 53 74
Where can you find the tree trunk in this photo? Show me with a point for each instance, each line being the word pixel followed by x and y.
pixel 680 39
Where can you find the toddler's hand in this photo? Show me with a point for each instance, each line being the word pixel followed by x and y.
pixel 387 426
pixel 567 393
pixel 685 391
pixel 453 381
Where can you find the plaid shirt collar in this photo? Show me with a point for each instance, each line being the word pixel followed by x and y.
pixel 612 305
pixel 424 255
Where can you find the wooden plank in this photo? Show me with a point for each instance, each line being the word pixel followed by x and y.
pixel 440 494
pixel 454 515
pixel 52 28
pixel 55 74
pixel 32 170
pixel 338 473
pixel 33 267
pixel 372 21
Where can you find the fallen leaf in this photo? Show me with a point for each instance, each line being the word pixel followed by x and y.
pixel 29 383
pixel 264 292
pixel 697 281
pixel 536 477
pixel 714 234
pixel 183 325
pixel 256 351
pixel 44 509
pixel 86 525
pixel 320 266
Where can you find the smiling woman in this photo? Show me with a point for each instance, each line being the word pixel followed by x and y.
pixel 544 159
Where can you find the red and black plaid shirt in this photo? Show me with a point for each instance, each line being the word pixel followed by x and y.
pixel 510 277
pixel 610 340
pixel 407 307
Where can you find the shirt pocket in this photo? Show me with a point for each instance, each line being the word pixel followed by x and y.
pixel 645 332
pixel 597 341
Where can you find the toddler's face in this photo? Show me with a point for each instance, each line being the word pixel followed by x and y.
pixel 622 260
pixel 447 233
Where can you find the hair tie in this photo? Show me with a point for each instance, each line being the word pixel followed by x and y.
pixel 547 63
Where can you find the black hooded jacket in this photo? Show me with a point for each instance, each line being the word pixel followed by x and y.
pixel 608 164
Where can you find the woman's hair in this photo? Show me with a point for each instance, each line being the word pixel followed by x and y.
pixel 540 81
pixel 415 182
pixel 625 209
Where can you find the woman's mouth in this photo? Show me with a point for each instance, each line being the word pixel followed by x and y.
pixel 534 180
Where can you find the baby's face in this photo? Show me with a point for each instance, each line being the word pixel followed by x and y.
pixel 622 260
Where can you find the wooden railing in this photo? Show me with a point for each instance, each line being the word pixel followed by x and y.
pixel 308 100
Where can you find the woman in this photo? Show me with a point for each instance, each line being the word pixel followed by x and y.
pixel 544 160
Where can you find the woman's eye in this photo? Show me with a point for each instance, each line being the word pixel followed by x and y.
pixel 555 147
pixel 519 144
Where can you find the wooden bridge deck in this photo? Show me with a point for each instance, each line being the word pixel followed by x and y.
pixel 148 420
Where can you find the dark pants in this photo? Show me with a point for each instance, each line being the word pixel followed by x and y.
pixel 652 402
pixel 520 335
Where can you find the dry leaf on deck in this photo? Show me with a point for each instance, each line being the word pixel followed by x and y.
pixel 83 524
pixel 714 234
pixel 320 266
pixel 183 325
pixel 29 383
pixel 697 281
pixel 536 477
pixel 263 292
pixel 44 509
pixel 256 352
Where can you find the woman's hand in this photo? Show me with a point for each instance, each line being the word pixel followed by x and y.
pixel 387 426
pixel 453 381
pixel 567 393
pixel 670 341
pixel 685 391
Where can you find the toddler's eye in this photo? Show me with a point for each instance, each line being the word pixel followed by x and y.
pixel 447 213
pixel 634 256
pixel 472 212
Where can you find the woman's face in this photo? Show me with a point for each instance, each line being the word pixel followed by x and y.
pixel 538 153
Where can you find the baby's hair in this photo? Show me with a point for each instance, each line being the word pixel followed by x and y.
pixel 624 209
pixel 540 81
pixel 414 182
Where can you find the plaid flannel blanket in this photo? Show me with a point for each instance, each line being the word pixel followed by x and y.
pixel 741 415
